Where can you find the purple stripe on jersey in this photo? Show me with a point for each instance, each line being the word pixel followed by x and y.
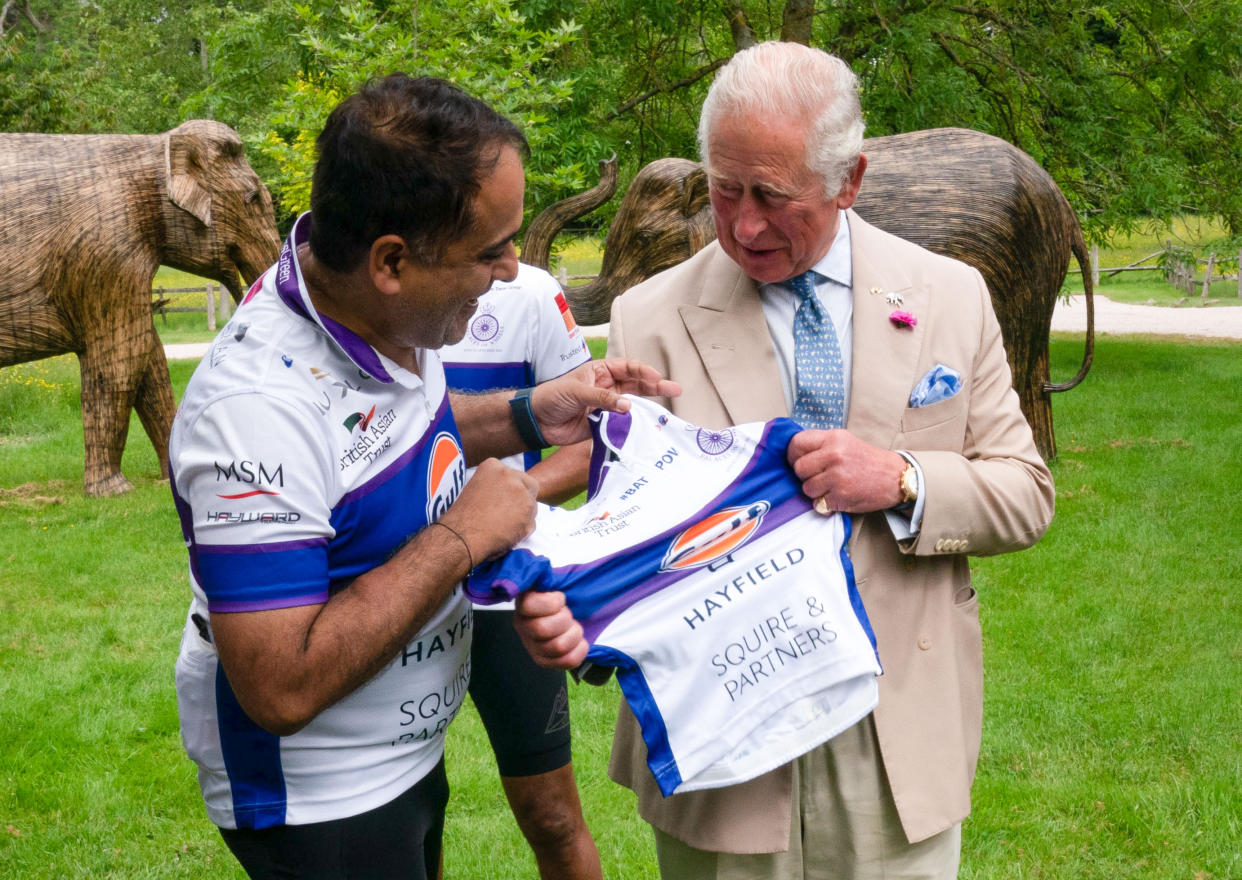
pixel 403 460
pixel 186 516
pixel 294 295
pixel 600 617
pixel 358 349
pixel 272 547
pixel 507 366
pixel 226 607
pixel 617 428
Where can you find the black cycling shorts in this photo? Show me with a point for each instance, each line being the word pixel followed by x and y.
pixel 399 841
pixel 524 707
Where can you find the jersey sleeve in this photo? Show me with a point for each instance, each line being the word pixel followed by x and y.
pixel 252 486
pixel 557 343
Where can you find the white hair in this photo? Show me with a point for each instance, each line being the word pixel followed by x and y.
pixel 792 80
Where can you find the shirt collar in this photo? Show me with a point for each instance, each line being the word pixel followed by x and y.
pixel 836 264
pixel 293 293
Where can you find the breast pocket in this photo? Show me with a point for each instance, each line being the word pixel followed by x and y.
pixel 938 426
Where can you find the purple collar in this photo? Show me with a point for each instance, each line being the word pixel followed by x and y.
pixel 292 291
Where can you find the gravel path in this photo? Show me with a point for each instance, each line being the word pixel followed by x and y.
pixel 1110 317
pixel 1113 317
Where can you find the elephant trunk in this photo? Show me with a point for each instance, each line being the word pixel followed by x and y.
pixel 537 244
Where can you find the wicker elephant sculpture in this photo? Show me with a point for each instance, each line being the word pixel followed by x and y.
pixel 85 222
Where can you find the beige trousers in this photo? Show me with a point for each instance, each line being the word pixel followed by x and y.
pixel 844 827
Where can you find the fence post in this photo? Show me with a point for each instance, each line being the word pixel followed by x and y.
pixel 1240 274
pixel 563 277
pixel 226 302
pixel 1207 277
pixel 1095 265
pixel 211 307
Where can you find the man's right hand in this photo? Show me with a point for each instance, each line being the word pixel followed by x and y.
pixel 548 630
pixel 495 510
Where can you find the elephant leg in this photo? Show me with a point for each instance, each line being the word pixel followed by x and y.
pixel 154 400
pixel 113 362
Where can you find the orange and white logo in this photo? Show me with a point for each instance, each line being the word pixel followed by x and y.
pixel 714 537
pixel 446 474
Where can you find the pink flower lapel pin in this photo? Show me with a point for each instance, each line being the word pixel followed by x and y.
pixel 902 319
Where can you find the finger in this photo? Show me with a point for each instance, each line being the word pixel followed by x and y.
pixel 632 376
pixel 802 443
pixel 536 603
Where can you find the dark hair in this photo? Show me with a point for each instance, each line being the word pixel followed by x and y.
pixel 406 156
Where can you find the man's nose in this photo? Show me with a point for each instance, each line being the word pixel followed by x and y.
pixel 751 219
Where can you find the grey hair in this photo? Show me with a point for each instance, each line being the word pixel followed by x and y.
pixel 792 80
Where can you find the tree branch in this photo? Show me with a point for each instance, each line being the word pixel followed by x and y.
pixel 668 87
pixel 739 25
pixel 796 22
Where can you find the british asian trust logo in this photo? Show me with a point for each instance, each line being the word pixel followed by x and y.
pixel 714 538
pixel 446 474
pixel 361 421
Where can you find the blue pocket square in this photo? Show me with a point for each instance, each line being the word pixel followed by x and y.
pixel 939 384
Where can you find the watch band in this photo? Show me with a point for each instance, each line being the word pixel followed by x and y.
pixel 524 420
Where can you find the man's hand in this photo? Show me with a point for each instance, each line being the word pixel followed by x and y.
pixel 495 510
pixel 548 630
pixel 848 474
pixel 561 405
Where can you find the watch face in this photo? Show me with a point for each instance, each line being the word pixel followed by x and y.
pixel 909 484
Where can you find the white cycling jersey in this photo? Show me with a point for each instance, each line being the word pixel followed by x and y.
pixel 302 458
pixel 727 605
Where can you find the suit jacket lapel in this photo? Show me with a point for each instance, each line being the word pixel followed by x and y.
pixel 886 355
pixel 729 332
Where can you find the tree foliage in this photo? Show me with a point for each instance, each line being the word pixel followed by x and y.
pixel 280 99
pixel 1132 105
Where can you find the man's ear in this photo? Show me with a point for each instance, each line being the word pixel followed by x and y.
pixel 849 192
pixel 386 261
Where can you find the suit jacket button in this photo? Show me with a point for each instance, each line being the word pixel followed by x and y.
pixel 924 644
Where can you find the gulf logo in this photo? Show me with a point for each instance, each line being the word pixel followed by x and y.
pixel 714 537
pixel 446 474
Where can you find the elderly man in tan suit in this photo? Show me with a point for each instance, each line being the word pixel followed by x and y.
pixel 926 481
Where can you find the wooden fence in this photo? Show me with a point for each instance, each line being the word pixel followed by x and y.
pixel 1179 266
pixel 218 303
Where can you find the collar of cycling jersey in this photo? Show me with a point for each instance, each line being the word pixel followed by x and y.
pixel 291 288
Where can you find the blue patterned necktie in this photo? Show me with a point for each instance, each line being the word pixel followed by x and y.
pixel 819 399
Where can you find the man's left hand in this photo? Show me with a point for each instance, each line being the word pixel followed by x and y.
pixel 561 405
pixel 849 474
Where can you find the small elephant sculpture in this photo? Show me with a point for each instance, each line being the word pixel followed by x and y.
pixel 954 191
pixel 85 222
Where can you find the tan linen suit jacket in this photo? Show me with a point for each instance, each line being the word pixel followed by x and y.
pixel 986 491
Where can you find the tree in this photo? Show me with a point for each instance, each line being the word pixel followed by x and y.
pixel 283 97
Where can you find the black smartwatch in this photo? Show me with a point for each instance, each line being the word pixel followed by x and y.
pixel 524 420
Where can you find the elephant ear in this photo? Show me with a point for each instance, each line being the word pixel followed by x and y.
pixel 185 168
pixel 694 195
pixel 696 208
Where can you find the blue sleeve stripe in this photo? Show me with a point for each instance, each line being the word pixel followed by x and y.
pixel 260 579
pixel 462 376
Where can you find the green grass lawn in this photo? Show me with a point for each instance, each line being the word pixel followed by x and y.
pixel 1113 736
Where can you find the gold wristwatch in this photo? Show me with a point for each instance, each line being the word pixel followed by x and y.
pixel 909 484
